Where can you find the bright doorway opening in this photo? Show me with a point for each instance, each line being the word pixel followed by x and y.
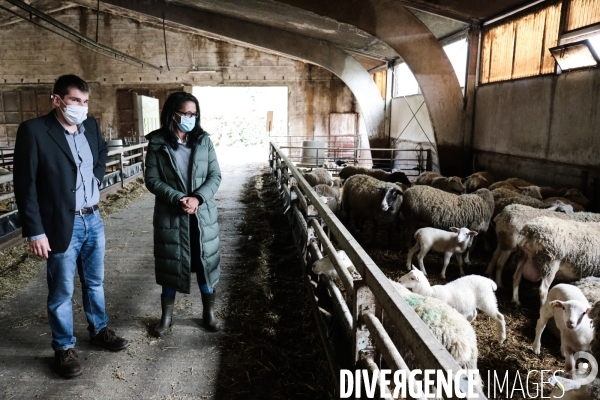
pixel 243 116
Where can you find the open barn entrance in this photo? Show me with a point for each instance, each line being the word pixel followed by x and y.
pixel 243 116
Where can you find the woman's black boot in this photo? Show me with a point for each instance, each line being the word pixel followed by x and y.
pixel 166 320
pixel 208 312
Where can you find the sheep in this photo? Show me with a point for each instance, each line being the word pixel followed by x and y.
pixel 504 197
pixel 510 222
pixel 573 195
pixel 325 267
pixel 329 191
pixel 520 186
pixel 553 247
pixel 576 207
pixel 318 176
pixel 478 180
pixel 467 295
pixel 451 184
pixel 379 174
pixel 424 206
pixel 367 197
pixel 569 307
pixel 455 242
pixel 454 332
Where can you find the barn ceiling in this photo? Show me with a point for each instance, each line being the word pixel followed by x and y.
pixel 310 18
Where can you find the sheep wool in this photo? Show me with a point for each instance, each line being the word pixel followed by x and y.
pixel 426 206
pixel 363 197
pixel 447 324
pixel 378 174
pixel 504 197
pixel 573 242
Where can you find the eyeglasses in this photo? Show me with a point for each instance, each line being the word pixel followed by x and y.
pixel 188 114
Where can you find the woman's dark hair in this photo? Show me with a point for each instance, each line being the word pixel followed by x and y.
pixel 65 83
pixel 174 104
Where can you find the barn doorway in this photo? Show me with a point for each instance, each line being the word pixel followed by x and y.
pixel 243 117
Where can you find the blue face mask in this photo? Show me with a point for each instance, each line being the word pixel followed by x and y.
pixel 187 124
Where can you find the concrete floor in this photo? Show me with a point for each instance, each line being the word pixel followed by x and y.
pixel 183 365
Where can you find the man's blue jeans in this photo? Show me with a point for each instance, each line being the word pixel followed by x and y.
pixel 86 252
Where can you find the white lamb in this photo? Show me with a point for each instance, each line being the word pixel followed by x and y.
pixel 569 307
pixel 455 242
pixel 467 295
pixel 325 267
pixel 448 326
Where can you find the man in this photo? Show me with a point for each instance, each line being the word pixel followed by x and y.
pixel 60 161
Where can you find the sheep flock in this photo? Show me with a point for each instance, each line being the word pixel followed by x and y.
pixel 543 235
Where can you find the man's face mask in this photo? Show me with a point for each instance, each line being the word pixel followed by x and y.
pixel 74 114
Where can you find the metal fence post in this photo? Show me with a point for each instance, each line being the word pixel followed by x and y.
pixel 363 301
pixel 429 161
pixel 121 169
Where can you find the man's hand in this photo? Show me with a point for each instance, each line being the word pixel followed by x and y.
pixel 189 204
pixel 40 247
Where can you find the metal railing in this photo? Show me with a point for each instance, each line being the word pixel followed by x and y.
pixel 411 162
pixel 365 298
pixel 130 162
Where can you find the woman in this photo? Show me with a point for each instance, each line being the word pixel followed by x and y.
pixel 183 173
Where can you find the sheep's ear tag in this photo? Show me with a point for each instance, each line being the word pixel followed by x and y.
pixel 556 304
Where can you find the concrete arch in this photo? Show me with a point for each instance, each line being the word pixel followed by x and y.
pixel 289 44
pixel 393 24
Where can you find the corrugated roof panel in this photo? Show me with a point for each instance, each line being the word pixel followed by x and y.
pixel 503 43
pixel 528 45
pixel 550 38
pixel 519 48
pixel 583 13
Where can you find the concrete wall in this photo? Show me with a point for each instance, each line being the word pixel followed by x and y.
pixel 32 58
pixel 545 129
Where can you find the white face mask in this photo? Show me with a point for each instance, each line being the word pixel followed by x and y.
pixel 74 114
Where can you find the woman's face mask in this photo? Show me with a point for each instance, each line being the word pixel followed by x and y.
pixel 74 114
pixel 187 124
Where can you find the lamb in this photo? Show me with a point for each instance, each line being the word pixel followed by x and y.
pixel 318 176
pixel 451 184
pixel 424 206
pixel 454 332
pixel 367 197
pixel 329 191
pixel 553 247
pixel 467 295
pixel 508 227
pixel 379 174
pixel 325 267
pixel 455 242
pixel 569 307
pixel 478 180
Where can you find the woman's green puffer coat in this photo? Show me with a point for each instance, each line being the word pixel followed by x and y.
pixel 171 223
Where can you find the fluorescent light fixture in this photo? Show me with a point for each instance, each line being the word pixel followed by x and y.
pixel 202 71
pixel 575 55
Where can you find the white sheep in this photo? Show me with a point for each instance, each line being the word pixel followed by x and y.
pixel 318 176
pixel 467 295
pixel 366 197
pixel 455 242
pixel 569 307
pixel 424 206
pixel 325 267
pixel 553 247
pixel 454 332
pixel 508 227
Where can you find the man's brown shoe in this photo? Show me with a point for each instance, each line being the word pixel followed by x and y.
pixel 66 363
pixel 109 340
